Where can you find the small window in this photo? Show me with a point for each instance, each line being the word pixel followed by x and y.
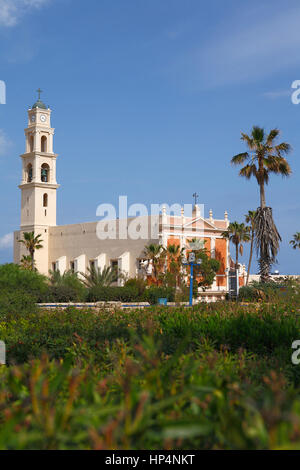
pixel 92 264
pixel 54 267
pixel 45 200
pixel 31 143
pixel 29 173
pixel 114 267
pixel 44 144
pixel 45 212
pixel 72 266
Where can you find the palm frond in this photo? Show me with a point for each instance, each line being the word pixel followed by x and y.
pixel 273 134
pixel 240 158
pixel 248 171
pixel 284 147
pixel 258 134
pixel 249 141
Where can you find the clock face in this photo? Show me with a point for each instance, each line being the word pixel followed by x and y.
pixel 43 118
pixel 33 118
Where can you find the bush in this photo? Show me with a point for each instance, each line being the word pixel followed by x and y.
pixel 137 283
pixel 65 293
pixel 269 291
pixel 13 278
pixel 118 385
pixel 154 293
pixel 16 304
pixel 109 294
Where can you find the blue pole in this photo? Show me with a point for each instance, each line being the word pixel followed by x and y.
pixel 191 284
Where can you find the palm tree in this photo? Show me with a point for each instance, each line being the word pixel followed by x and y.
pixel 250 219
pixel 155 255
pixel 295 242
pixel 57 279
pixel 264 157
pixel 32 243
pixel 237 234
pixel 26 263
pixel 96 277
pixel 175 254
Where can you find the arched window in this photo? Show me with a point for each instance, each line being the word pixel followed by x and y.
pixel 31 143
pixel 45 200
pixel 44 144
pixel 29 173
pixel 45 173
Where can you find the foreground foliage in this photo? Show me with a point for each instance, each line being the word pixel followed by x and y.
pixel 217 376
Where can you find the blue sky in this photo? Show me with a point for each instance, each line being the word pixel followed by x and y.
pixel 149 99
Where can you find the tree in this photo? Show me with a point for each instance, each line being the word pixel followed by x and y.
pixel 174 256
pixel 295 242
pixel 99 278
pixel 208 268
pixel 26 262
pixel 32 243
pixel 250 219
pixel 264 157
pixel 237 234
pixel 14 278
pixel 155 255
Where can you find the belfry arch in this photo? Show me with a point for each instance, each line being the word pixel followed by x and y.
pixel 44 144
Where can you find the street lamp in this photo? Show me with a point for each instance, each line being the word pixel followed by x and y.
pixel 191 262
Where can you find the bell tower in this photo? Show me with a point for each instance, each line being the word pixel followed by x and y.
pixel 39 185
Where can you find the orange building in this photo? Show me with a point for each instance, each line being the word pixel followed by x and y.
pixel 180 230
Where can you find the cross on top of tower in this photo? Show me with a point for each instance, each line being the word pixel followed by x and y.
pixel 195 196
pixel 39 103
pixel 39 92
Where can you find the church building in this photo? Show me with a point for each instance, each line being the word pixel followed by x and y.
pixel 78 246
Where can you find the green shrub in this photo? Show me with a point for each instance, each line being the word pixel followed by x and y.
pixel 65 288
pixel 137 283
pixel 16 304
pixel 269 291
pixel 13 278
pixel 137 399
pixel 118 294
pixel 65 293
pixel 154 293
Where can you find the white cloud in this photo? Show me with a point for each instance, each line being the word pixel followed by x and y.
pixel 11 11
pixel 7 241
pixel 5 143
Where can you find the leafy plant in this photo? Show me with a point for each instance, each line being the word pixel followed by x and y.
pixel 99 278
pixel 65 287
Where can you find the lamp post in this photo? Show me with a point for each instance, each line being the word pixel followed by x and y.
pixel 191 262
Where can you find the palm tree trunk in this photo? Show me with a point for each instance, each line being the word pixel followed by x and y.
pixel 250 257
pixel 267 241
pixel 262 195
pixel 236 256
pixel 155 271
pixel 32 259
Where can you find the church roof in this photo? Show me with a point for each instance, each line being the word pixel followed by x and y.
pixel 39 104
